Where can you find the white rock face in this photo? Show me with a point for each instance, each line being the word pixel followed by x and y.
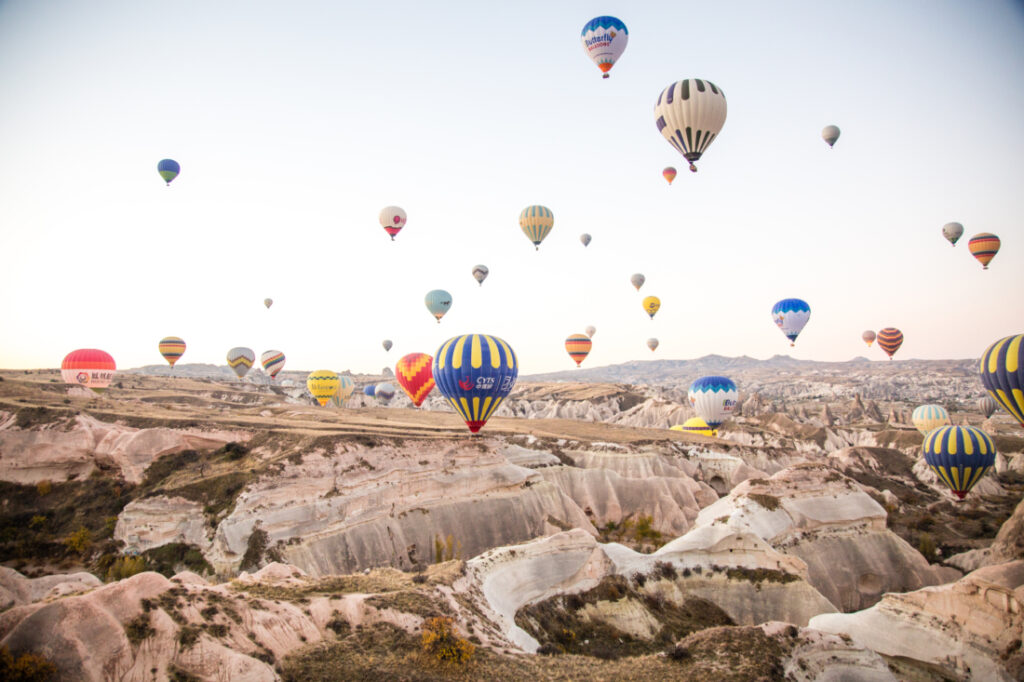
pixel 815 513
pixel 29 457
pixel 16 589
pixel 161 520
pixel 971 628
pixel 823 657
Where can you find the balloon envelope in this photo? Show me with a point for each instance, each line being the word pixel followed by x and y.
pixel 415 375
pixel 927 418
pixel 392 219
pixel 984 246
pixel 585 239
pixel 384 392
pixel 669 174
pixel 604 39
pixel 695 425
pixel 168 169
pixel 438 302
pixel 959 456
pixel 952 232
pixel 480 273
pixel 790 315
pixel 868 337
pixel 637 280
pixel 268 302
pixel 890 339
pixel 240 360
pixel 652 343
pixel 322 384
pixel 346 386
pixel 1002 373
pixel 89 367
pixel 273 362
pixel 690 114
pixel 387 344
pixel 370 390
pixel 830 134
pixel 578 346
pixel 987 406
pixel 651 304
pixel 713 398
pixel 172 348
pixel 536 222
pixel 590 330
pixel 475 372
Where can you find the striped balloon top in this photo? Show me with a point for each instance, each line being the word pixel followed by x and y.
pixel 959 440
pixel 791 305
pixel 474 351
pixel 713 384
pixel 1002 373
pixel 605 23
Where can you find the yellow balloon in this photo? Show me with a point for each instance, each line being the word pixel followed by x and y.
pixel 695 425
pixel 323 384
pixel 651 305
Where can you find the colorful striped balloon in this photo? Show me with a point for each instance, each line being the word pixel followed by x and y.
pixel 172 348
pixel 790 316
pixel 240 360
pixel 475 372
pixel 987 406
pixel 927 418
pixel 536 222
pixel 88 367
pixel 273 362
pixel 890 339
pixel 323 384
pixel 1002 372
pixel 346 387
pixel 690 114
pixel 578 346
pixel 415 375
pixel 984 247
pixel 713 398
pixel 959 456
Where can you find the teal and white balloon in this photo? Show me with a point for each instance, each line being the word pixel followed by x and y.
pixel 438 302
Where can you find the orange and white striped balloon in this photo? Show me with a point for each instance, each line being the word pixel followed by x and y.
pixel 578 347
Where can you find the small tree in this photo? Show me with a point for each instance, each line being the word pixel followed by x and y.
pixel 440 642
pixel 80 541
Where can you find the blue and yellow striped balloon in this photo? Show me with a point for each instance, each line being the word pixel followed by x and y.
pixel 536 222
pixel 475 372
pixel 1002 372
pixel 959 456
pixel 927 418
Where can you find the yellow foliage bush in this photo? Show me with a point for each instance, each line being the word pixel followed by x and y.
pixel 440 641
pixel 80 541
pixel 44 487
pixel 26 668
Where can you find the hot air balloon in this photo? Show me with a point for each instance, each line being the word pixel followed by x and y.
pixel 536 222
pixel 690 114
pixel 790 315
pixel 480 273
pixel 323 384
pixel 415 374
pixel 240 360
pixel 652 343
pixel 88 367
pixel 987 406
pixel 714 399
pixel 984 246
pixel 273 362
pixel 1002 372
pixel 384 392
pixel 651 305
pixel 370 390
pixel 392 219
pixel 438 302
pixel 927 418
pixel 475 372
pixel 590 330
pixel 637 280
pixel 669 174
pixel 604 39
pixel 830 134
pixel 578 346
pixel 959 456
pixel 890 339
pixel 868 337
pixel 172 348
pixel 268 302
pixel 346 386
pixel 168 170
pixel 585 239
pixel 695 425
pixel 387 344
pixel 952 232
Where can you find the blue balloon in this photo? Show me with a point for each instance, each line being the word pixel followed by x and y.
pixel 791 314
pixel 959 456
pixel 370 390
pixel 1002 372
pixel 168 169
pixel 475 372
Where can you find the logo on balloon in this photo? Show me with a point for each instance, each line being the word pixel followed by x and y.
pixel 466 384
pixel 82 377
pixel 484 383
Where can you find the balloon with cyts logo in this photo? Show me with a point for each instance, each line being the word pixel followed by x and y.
pixel 475 372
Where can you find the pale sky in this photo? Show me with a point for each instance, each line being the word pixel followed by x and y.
pixel 295 123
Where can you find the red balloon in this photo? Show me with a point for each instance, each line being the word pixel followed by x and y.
pixel 415 375
pixel 88 367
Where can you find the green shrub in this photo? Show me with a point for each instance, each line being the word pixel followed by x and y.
pixel 28 667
